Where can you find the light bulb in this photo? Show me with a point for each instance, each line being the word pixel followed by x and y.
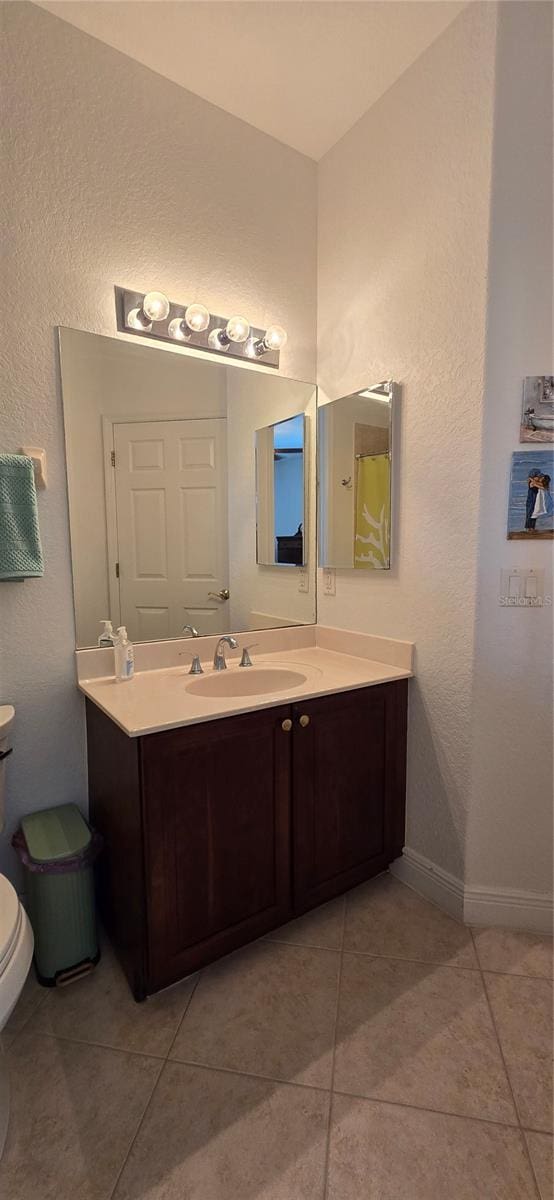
pixel 275 337
pixel 197 318
pixel 156 306
pixel 216 340
pixel 251 348
pixel 177 329
pixel 237 329
pixel 137 320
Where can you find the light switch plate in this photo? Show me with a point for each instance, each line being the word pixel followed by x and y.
pixel 522 587
pixel 303 580
pixel 329 581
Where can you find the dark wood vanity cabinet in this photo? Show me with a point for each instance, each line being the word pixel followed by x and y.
pixel 217 838
pixel 348 786
pixel 217 833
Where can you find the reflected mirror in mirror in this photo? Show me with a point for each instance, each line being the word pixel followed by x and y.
pixel 281 493
pixel 354 469
pixel 161 464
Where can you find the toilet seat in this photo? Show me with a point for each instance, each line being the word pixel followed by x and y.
pixel 16 952
pixel 10 921
pixel 16 948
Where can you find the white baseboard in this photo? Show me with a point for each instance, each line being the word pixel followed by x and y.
pixel 430 881
pixel 530 911
pixel 514 910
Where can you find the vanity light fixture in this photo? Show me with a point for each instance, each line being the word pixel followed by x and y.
pixel 153 315
pixel 154 307
pixel 273 340
pixel 197 317
pixel 179 330
pixel 136 319
pixel 236 330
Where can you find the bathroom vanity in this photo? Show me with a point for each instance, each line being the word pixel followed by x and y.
pixel 233 800
pixel 218 831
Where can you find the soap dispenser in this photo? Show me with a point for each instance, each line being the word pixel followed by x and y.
pixel 107 637
pixel 124 656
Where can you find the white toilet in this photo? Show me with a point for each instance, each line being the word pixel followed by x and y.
pixel 16 936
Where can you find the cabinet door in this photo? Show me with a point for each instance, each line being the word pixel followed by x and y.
pixel 216 803
pixel 348 789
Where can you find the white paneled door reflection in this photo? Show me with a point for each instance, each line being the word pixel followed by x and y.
pixel 171 502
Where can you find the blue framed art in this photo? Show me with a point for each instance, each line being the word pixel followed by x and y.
pixel 530 504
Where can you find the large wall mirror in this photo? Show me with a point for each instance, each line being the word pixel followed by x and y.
pixel 161 461
pixel 355 464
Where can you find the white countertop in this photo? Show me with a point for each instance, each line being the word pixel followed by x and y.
pixel 155 700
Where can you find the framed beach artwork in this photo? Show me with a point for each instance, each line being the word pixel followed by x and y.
pixel 531 505
pixel 537 413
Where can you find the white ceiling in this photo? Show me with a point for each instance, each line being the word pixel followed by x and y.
pixel 303 71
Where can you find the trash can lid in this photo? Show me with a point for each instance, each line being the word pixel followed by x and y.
pixel 55 833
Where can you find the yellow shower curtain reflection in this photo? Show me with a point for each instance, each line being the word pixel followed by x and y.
pixel 372 531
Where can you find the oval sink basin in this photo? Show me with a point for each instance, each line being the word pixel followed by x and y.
pixel 247 681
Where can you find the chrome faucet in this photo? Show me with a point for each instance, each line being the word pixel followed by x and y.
pixel 190 629
pixel 219 655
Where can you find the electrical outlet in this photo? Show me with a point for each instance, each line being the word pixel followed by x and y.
pixel 303 580
pixel 329 581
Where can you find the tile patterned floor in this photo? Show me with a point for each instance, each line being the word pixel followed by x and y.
pixel 372 1050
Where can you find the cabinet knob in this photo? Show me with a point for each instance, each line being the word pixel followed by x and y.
pixel 304 720
pixel 286 725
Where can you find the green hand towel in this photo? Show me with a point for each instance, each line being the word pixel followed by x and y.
pixel 20 549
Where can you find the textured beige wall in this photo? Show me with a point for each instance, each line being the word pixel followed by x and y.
pixel 115 175
pixel 403 237
pixel 510 827
pixel 435 252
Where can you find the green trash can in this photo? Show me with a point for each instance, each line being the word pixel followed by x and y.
pixel 57 850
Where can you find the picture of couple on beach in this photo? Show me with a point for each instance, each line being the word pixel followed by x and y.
pixel 531 505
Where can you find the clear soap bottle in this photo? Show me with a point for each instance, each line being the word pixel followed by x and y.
pixel 107 637
pixel 124 656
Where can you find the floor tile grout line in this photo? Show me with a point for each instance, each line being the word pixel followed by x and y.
pixel 32 1014
pixel 74 1041
pixel 280 1082
pixel 325 1192
pixel 507 1074
pixel 424 962
pixel 137 1130
pixel 527 1153
pixel 299 945
pixel 163 1064
pixel 518 975
pixel 431 962
pixel 499 1043
pixel 491 970
pixel 435 962
pixel 269 937
pixel 184 1013
pixel 438 1112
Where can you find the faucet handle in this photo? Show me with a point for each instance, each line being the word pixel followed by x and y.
pixel 246 661
pixel 196 665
